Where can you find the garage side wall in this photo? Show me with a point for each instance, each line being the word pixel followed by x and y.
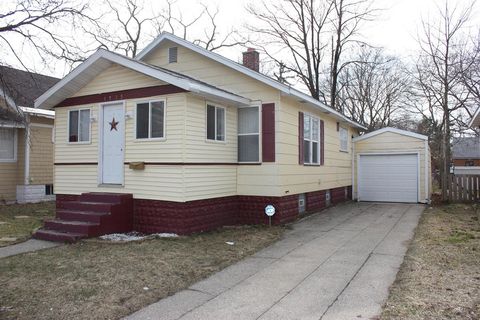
pixel 390 142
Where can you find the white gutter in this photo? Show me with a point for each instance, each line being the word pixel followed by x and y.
pixel 427 155
pixel 354 189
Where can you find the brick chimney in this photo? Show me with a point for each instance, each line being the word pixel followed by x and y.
pixel 251 59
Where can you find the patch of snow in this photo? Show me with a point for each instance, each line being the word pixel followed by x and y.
pixel 135 236
pixel 230 243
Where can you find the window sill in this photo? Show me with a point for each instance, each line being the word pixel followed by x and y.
pixel 8 160
pixel 216 141
pixel 312 164
pixel 79 143
pixel 344 151
pixel 150 140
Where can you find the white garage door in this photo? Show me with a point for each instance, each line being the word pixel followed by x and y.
pixel 389 178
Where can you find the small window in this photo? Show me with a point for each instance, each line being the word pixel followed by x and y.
pixel 311 140
pixel 215 123
pixel 49 189
pixel 79 125
pixel 7 144
pixel 248 134
pixel 343 139
pixel 172 54
pixel 469 163
pixel 150 120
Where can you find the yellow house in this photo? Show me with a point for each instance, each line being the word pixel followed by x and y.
pixel 193 141
pixel 26 138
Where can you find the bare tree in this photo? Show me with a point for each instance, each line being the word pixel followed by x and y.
pixel 35 25
pixel 348 15
pixel 373 90
pixel 442 97
pixel 311 32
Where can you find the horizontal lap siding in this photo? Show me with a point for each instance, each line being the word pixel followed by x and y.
pixel 41 155
pixel 214 73
pixel 155 182
pixel 116 78
pixel 8 181
pixel 389 142
pixel 295 178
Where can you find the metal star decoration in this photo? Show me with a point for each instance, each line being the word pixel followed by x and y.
pixel 113 124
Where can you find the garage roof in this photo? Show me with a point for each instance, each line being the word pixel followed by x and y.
pixel 393 130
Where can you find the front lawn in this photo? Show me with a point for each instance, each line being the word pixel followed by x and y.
pixel 94 279
pixel 440 276
pixel 18 221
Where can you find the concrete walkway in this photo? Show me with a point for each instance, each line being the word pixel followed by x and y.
pixel 337 264
pixel 27 246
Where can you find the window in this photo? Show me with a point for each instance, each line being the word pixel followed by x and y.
pixel 469 163
pixel 343 139
pixel 215 123
pixel 79 125
pixel 8 144
pixel 150 120
pixel 172 54
pixel 248 134
pixel 49 189
pixel 311 140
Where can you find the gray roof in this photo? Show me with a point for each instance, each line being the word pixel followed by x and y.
pixel 24 87
pixel 466 147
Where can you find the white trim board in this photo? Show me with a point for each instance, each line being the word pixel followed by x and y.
pixel 392 130
pixel 284 89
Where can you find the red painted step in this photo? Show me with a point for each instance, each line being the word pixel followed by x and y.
pixel 81 227
pixel 57 236
pixel 64 214
pixel 91 215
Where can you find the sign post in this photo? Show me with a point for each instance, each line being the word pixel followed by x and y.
pixel 270 211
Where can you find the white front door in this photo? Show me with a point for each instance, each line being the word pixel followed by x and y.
pixel 388 178
pixel 113 144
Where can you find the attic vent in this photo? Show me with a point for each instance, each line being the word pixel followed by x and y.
pixel 172 54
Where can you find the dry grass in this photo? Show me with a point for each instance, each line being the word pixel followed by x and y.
pixel 18 221
pixel 440 277
pixel 98 280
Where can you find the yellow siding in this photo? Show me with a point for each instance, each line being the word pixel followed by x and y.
pixel 214 73
pixel 295 178
pixel 8 181
pixel 390 142
pixel 41 155
pixel 117 78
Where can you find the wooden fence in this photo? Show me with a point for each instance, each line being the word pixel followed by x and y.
pixel 463 188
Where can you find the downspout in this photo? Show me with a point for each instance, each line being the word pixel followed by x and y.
pixel 354 190
pixel 27 151
pixel 427 155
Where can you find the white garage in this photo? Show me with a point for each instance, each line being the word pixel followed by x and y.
pixel 392 165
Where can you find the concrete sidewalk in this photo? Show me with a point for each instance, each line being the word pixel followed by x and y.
pixel 337 264
pixel 27 246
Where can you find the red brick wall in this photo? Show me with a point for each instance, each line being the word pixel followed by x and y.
pixel 462 162
pixel 152 216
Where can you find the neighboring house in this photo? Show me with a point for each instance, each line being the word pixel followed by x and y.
pixel 465 155
pixel 183 140
pixel 26 138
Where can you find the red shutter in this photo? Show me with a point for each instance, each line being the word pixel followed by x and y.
pixel 322 143
pixel 268 132
pixel 300 138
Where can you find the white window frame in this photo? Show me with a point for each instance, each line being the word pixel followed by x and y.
pixel 15 145
pixel 224 122
pixel 250 134
pixel 78 127
pixel 310 140
pixel 164 138
pixel 340 138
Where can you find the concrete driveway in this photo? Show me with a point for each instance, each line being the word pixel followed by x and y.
pixel 337 264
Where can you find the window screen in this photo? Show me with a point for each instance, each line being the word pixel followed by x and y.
pixel 7 144
pixel 248 134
